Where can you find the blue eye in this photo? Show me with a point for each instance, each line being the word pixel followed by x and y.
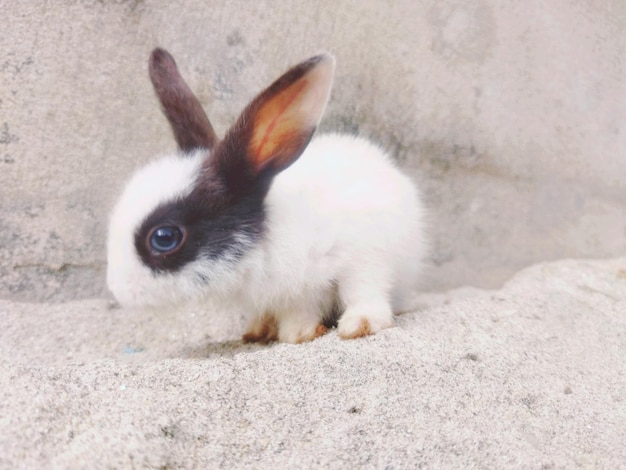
pixel 166 239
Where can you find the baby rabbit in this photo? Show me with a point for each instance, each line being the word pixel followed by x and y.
pixel 268 221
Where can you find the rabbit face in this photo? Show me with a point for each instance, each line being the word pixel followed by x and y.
pixel 192 238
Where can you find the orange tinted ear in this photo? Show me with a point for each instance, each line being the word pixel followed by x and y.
pixel 286 114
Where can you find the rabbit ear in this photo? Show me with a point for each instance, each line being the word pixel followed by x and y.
pixel 189 122
pixel 275 128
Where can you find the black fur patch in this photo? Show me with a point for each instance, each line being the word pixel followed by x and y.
pixel 216 221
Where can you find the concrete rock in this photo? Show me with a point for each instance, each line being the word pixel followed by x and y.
pixel 511 117
pixel 530 376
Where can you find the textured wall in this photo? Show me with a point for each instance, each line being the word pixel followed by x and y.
pixel 511 115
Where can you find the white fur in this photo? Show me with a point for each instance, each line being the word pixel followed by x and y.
pixel 163 180
pixel 342 214
pixel 342 220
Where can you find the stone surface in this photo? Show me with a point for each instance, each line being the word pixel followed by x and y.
pixel 510 116
pixel 529 376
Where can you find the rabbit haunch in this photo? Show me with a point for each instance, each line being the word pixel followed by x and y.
pixel 268 221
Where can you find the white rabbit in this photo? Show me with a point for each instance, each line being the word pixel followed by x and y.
pixel 289 230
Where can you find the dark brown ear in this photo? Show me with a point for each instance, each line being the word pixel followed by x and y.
pixel 275 128
pixel 189 122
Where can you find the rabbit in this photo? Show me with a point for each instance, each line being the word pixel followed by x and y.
pixel 289 229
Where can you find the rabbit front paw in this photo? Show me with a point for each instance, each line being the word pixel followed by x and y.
pixel 296 334
pixel 355 325
pixel 262 329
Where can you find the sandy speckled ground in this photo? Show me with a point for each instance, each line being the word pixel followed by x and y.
pixel 531 376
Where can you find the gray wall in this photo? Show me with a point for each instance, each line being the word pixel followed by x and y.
pixel 510 114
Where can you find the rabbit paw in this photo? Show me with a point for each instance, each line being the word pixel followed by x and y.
pixel 294 332
pixel 263 329
pixel 355 326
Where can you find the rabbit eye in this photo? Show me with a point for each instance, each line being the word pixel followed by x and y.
pixel 166 239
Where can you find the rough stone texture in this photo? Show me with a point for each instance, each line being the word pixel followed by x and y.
pixel 530 376
pixel 509 114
